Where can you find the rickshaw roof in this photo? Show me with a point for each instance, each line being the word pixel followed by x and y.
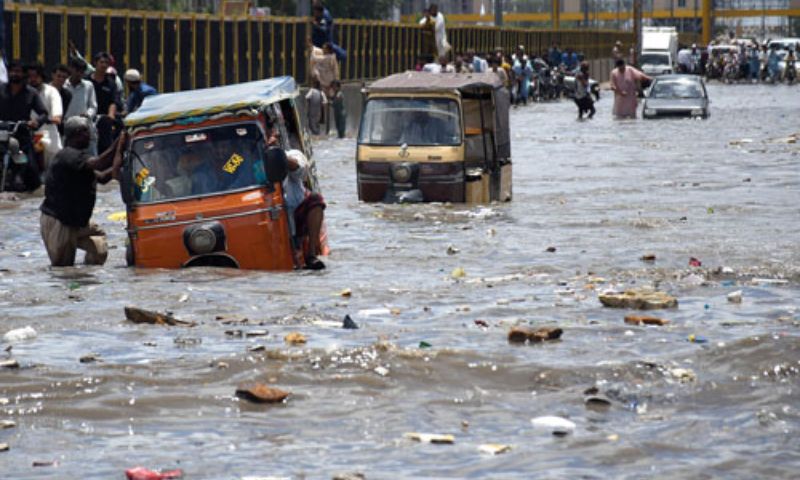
pixel 210 101
pixel 435 82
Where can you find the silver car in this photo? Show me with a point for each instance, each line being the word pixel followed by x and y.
pixel 676 96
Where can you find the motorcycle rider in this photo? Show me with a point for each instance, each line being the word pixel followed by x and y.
pixel 21 103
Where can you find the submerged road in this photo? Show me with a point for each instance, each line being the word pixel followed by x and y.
pixel 601 193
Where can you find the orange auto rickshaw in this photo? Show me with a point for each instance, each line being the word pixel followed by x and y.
pixel 199 184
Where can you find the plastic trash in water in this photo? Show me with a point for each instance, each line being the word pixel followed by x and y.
pixel 141 473
pixel 697 339
pixel 735 297
pixel 693 262
pixel 19 335
pixel 425 344
pixel 556 425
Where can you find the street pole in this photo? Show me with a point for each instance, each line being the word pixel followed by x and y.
pixel 637 29
pixel 498 22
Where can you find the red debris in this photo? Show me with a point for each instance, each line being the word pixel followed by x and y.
pixel 141 473
pixel 693 262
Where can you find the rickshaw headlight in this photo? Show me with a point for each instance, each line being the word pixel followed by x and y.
pixel 401 173
pixel 204 239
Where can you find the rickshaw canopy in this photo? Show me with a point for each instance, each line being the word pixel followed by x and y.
pixel 425 82
pixel 209 101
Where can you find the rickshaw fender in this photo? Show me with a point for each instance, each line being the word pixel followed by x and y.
pixel 222 260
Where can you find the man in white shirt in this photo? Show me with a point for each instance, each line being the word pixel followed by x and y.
pixel 442 67
pixel 305 208
pixel 84 100
pixel 442 46
pixel 52 102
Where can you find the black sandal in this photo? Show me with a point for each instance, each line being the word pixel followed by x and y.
pixel 314 263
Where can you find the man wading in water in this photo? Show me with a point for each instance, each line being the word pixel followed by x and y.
pixel 70 193
pixel 625 84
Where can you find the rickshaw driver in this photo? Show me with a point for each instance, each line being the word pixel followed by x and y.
pixel 192 165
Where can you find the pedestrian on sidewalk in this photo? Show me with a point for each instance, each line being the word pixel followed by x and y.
pixel 625 84
pixel 70 195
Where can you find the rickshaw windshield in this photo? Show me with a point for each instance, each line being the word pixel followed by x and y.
pixel 197 162
pixel 411 121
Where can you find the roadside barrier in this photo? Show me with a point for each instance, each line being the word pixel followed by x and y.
pixel 186 51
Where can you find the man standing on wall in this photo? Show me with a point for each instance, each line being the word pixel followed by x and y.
pixel 442 47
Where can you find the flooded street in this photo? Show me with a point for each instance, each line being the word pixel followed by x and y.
pixel 432 352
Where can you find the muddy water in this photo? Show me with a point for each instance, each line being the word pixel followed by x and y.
pixel 602 193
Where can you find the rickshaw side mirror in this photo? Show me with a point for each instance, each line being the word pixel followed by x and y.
pixel 125 181
pixel 276 165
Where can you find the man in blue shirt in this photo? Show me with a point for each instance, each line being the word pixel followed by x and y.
pixel 137 89
pixel 570 59
pixel 322 25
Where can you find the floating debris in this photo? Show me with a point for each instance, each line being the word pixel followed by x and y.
pixel 347 293
pixel 558 426
pixel 641 299
pixel 524 334
pixel 643 320
pixel 260 393
pixel 735 297
pixel 431 438
pixel 458 273
pixel 10 363
pixel 4 424
pixel 295 338
pixel 141 473
pixel 19 335
pixel 90 358
pixel 494 448
pixel 4 447
pixel 684 375
pixel 648 257
pixel 256 333
pixel 139 315
pixel 348 323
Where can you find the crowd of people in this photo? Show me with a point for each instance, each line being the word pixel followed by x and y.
pixel 35 103
pixel 744 61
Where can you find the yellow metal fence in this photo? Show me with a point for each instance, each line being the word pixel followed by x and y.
pixel 181 52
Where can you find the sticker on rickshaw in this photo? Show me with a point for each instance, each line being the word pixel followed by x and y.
pixel 141 176
pixel 196 137
pixel 233 163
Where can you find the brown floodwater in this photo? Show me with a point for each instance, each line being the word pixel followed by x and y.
pixel 602 193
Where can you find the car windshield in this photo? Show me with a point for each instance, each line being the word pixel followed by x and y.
pixel 654 59
pixel 411 121
pixel 676 89
pixel 197 162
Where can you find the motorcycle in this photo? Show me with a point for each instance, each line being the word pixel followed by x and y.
pixel 19 172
